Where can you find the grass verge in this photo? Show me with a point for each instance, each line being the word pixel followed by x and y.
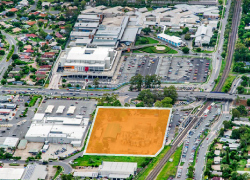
pixel 152 49
pixel 228 83
pixel 145 172
pixel 170 168
pixel 145 40
pixel 59 170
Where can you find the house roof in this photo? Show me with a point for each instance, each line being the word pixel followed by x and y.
pixel 49 53
pixel 43 15
pixel 31 35
pixel 29 51
pixel 48 37
pixel 13 10
pixel 41 72
pixel 31 23
pixel 58 35
pixel 27 47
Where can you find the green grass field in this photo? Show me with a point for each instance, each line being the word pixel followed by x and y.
pixel 152 49
pixel 89 160
pixel 145 40
pixel 228 83
pixel 170 168
pixel 144 173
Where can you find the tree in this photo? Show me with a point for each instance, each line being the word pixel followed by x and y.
pixel 3 81
pixel 187 36
pixel 248 102
pixel 170 92
pixel 15 56
pixel 136 81
pixel 242 110
pixel 2 52
pixel 96 82
pixel 240 89
pixel 190 171
pixel 46 7
pixel 127 105
pixel 42 33
pixel 17 78
pixel 83 3
pixel 140 104
pixel 63 85
pixel 198 49
pixel 10 13
pixel 69 85
pixel 185 50
pixel 227 125
pixel 235 113
pixel 146 30
pixel 185 30
pixel 64 80
pixel 40 23
pixel 147 97
pixel 166 102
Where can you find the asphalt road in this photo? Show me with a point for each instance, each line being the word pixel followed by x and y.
pixel 211 136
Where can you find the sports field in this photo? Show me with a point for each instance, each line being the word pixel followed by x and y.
pixel 128 131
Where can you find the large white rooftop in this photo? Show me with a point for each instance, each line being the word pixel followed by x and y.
pixel 11 173
pixel 83 53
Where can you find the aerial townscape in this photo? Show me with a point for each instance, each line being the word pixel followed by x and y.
pixel 124 90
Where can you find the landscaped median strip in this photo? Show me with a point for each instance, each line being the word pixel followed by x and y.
pixel 10 53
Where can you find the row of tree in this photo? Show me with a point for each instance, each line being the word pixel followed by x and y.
pixel 165 98
pixel 149 81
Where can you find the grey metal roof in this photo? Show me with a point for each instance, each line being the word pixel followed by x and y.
pixel 130 34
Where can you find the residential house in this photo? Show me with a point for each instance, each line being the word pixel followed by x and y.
pixel 7 2
pixel 40 75
pixel 10 80
pixel 45 68
pixel 35 13
pixel 29 51
pixel 49 38
pixel 42 20
pixel 234 146
pixel 24 3
pixel 45 4
pixel 24 18
pixel 217 160
pixel 72 8
pixel 56 48
pixel 13 73
pixel 58 35
pixel 27 47
pixel 24 57
pixel 217 152
pixel 43 15
pixel 26 26
pixel 48 55
pixel 31 35
pixel 228 133
pixel 61 23
pixel 31 23
pixel 13 10
pixel 43 43
pixel 15 30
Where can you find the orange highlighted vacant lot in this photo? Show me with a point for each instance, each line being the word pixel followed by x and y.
pixel 128 131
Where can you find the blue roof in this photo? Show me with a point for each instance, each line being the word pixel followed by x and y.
pixel 48 37
pixel 247 63
pixel 24 18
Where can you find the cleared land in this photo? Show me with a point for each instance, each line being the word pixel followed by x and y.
pixel 128 131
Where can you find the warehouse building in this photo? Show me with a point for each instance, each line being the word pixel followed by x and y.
pixel 7 106
pixel 111 170
pixel 71 110
pixel 22 144
pixel 34 172
pixel 11 173
pixel 92 57
pixel 55 133
pixel 8 142
pixel 6 99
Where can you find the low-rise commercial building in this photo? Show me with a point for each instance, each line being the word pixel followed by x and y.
pixel 92 58
pixel 173 40
pixel 11 173
pixel 85 27
pixel 8 142
pixel 203 35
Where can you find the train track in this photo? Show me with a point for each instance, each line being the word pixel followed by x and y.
pixel 232 38
pixel 175 145
pixel 231 44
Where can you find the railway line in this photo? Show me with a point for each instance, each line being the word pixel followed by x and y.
pixel 175 145
pixel 232 39
pixel 231 44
